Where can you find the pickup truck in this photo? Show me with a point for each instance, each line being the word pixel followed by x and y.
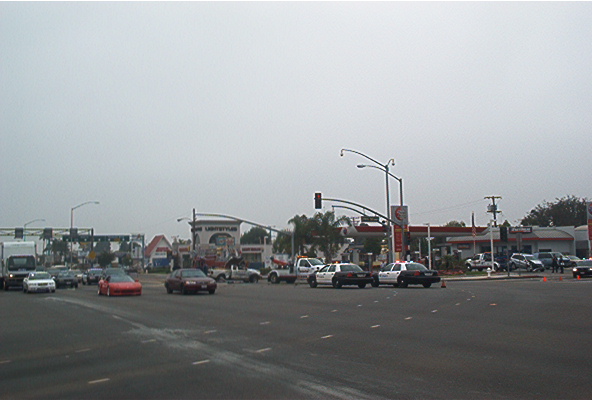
pixel 235 272
pixel 480 262
pixel 288 272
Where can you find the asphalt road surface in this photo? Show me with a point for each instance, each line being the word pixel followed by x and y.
pixel 515 339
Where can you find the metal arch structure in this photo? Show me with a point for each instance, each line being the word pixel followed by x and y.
pixel 56 232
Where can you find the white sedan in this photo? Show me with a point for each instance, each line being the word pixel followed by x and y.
pixel 39 282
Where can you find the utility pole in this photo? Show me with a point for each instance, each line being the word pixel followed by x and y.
pixel 492 208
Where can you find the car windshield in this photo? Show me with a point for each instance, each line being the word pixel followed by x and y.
pixel 193 273
pixel 114 271
pixel 585 263
pixel 66 274
pixel 120 278
pixel 39 275
pixel 21 263
pixel 415 267
pixel 387 267
pixel 95 271
pixel 351 268
pixel 529 257
pixel 487 257
pixel 314 261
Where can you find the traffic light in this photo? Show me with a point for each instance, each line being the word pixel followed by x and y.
pixel 318 200
pixel 47 233
pixel 73 234
pixel 503 233
pixel 19 233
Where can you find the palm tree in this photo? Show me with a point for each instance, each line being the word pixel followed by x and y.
pixel 326 230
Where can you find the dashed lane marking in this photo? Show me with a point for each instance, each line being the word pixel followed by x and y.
pixel 375 326
pixel 263 350
pixel 148 341
pixel 200 362
pixel 327 337
pixel 210 331
pixel 82 350
pixel 99 381
pixel 408 318
pixel 265 323
pixel 303 316
pixel 5 361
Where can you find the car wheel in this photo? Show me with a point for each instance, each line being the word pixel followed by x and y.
pixel 337 284
pixel 361 285
pixel 168 289
pixel 312 283
pixel 182 290
pixel 254 279
pixel 401 283
pixel 274 278
pixel 24 289
pixel 212 291
pixel 220 278
pixel 427 285
pixel 375 283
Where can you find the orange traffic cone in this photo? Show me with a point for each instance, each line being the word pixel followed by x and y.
pixel 560 278
pixel 545 279
pixel 443 284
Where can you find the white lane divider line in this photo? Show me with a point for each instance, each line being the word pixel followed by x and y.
pixel 200 362
pixel 5 361
pixel 82 350
pixel 333 310
pixel 99 381
pixel 265 323
pixel 210 331
pixel 327 337
pixel 375 326
pixel 303 316
pixel 263 350
pixel 148 341
pixel 434 311
pixel 408 318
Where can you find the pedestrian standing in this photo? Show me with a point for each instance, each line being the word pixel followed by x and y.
pixel 560 265
pixel 554 265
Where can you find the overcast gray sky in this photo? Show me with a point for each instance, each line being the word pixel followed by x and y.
pixel 242 108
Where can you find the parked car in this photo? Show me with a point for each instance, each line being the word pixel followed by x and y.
pixel 582 269
pixel 338 275
pixel 91 276
pixel 39 282
pixel 403 273
pixel 190 280
pixel 547 258
pixel 66 279
pixel 527 262
pixel 574 260
pixel 119 285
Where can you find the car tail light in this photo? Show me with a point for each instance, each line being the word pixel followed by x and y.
pixel 417 273
pixel 350 275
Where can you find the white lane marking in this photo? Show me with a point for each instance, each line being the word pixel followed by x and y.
pixel 265 323
pixel 333 310
pixel 116 317
pixel 5 361
pixel 263 350
pixel 82 350
pixel 210 331
pixel 303 316
pixel 408 318
pixel 200 362
pixel 434 311
pixel 327 337
pixel 374 326
pixel 99 381
pixel 359 305
pixel 148 341
pixel 376 301
pixel 457 304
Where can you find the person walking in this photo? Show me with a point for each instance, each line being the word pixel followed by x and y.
pixel 554 265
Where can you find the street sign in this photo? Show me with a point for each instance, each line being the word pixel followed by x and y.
pixel 521 229
pixel 400 215
pixel 366 218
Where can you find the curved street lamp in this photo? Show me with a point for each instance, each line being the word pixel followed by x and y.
pixel 72 224
pixel 384 167
pixel 29 223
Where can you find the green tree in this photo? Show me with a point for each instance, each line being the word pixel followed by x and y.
pixel 326 235
pixel 373 245
pixel 567 211
pixel 255 235
pixel 105 258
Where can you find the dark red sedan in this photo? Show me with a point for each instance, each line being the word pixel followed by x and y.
pixel 189 280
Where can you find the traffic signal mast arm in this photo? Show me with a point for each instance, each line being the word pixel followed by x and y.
pixel 355 204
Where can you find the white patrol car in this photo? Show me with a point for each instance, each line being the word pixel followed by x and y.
pixel 403 273
pixel 39 282
pixel 339 275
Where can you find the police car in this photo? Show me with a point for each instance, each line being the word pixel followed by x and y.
pixel 403 273
pixel 39 282
pixel 339 275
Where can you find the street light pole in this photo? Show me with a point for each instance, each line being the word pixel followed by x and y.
pixel 384 167
pixel 72 224
pixel 28 223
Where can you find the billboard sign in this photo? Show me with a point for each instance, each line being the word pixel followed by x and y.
pixel 400 215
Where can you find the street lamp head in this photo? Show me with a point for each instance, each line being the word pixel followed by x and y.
pixel 341 153
pixel 361 165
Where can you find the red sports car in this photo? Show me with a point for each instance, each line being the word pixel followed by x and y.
pixel 120 285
